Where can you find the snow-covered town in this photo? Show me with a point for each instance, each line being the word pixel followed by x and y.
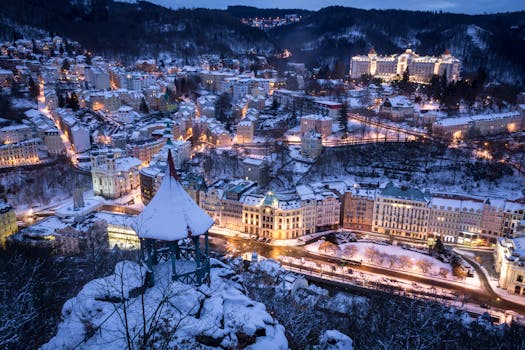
pixel 252 198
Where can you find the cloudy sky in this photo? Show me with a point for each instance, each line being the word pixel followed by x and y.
pixel 457 6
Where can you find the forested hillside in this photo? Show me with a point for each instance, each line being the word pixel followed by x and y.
pixel 495 42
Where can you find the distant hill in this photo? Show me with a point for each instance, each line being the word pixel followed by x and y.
pixel 137 30
pixel 250 11
pixel 495 42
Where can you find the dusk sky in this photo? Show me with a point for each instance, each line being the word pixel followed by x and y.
pixel 457 6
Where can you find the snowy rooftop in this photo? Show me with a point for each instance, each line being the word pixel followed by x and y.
pixel 400 102
pixel 305 192
pixel 46 227
pixel 517 249
pixel 476 118
pixel 68 209
pixel 329 103
pixel 15 127
pixel 403 193
pixel 126 163
pixel 316 117
pixel 460 204
pixel 253 161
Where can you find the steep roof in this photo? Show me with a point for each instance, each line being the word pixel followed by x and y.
pixel 404 193
pixel 172 214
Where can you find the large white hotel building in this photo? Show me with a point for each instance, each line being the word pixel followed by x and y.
pixel 420 68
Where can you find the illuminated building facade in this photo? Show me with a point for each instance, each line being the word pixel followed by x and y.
pixel 358 209
pixel 8 224
pixel 269 217
pixel 401 211
pixel 113 176
pixel 509 262
pixel 421 68
pixel 20 153
pixel 485 124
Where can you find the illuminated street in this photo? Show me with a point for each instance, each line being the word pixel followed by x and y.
pixel 231 246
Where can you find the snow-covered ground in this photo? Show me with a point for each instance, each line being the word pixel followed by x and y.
pixel 389 256
pixel 363 279
pixel 109 313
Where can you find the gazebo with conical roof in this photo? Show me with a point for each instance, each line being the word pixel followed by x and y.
pixel 169 228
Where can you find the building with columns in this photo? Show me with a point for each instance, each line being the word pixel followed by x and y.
pixel 113 176
pixel 509 262
pixel 270 217
pixel 421 68
pixel 401 211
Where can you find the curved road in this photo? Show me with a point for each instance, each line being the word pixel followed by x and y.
pixel 497 301
pixel 484 295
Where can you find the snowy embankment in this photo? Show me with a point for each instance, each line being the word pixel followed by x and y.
pixel 389 256
pixel 110 313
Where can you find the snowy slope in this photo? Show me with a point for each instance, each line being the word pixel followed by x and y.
pixel 176 315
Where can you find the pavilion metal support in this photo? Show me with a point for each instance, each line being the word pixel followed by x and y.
pixel 155 254
pixel 150 278
pixel 198 271
pixel 206 245
pixel 174 255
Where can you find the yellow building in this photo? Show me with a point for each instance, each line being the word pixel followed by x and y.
pixel 20 153
pixel 269 217
pixel 8 224
pixel 401 211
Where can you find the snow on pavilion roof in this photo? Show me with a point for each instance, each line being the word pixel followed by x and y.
pixel 172 214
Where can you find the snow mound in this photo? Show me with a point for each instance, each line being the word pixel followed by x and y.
pixel 108 313
pixel 335 340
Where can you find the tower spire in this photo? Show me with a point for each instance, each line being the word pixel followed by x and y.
pixel 171 166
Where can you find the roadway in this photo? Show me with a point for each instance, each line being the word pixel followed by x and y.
pixel 487 289
pixel 388 126
pixel 235 246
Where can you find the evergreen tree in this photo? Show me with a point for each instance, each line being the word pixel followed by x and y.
pixel 223 107
pixel 34 89
pixel 405 85
pixel 73 102
pixel 36 50
pixel 434 90
pixel 406 76
pixel 65 65
pixel 343 119
pixel 275 104
pixel 444 82
pixel 339 69
pixel 88 58
pixel 292 83
pixel 143 108
pixel 61 100
pixel 324 72
pixel 439 248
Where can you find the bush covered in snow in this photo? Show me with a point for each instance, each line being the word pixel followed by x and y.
pixel 315 318
pixel 116 312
